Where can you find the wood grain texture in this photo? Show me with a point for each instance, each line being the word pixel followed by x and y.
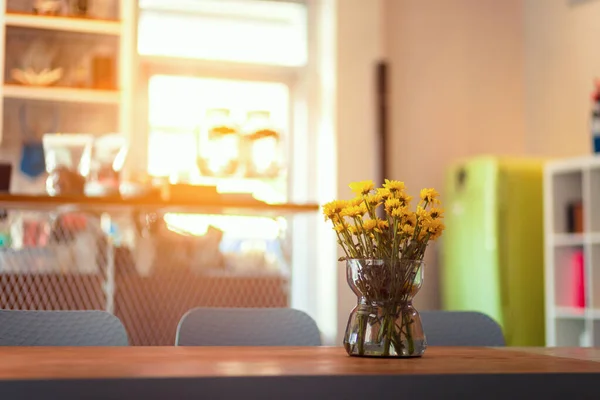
pixel 178 362
pixel 578 353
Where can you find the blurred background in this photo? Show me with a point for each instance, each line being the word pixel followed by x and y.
pixel 287 101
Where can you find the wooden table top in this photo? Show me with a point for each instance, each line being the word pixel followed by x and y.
pixel 577 353
pixel 36 363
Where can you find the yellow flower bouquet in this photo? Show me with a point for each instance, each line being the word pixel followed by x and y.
pixel 384 242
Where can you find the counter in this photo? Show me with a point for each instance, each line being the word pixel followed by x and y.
pixel 147 276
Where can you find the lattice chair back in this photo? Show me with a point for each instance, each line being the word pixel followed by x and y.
pixel 61 328
pixel 247 327
pixel 461 328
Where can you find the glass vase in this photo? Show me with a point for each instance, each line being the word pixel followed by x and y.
pixel 384 322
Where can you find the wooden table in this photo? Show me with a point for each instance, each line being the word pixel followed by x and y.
pixel 294 373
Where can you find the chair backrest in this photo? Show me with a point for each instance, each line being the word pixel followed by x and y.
pixel 247 327
pixel 61 328
pixel 461 328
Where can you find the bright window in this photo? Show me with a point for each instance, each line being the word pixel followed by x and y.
pixel 177 110
pixel 251 31
pixel 272 34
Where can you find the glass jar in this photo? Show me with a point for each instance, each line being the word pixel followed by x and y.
pixel 384 322
pixel 218 145
pixel 64 156
pixel 262 156
pixel 102 164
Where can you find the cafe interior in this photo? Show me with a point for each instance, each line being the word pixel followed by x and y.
pixel 171 171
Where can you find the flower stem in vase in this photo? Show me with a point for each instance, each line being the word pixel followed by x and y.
pixel 387 337
pixel 406 321
pixel 362 328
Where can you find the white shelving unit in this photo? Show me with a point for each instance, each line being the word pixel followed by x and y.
pixel 122 30
pixel 565 182
pixel 66 24
pixel 62 94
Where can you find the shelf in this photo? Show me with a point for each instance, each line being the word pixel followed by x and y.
pixel 91 96
pixel 569 239
pixel 576 164
pixel 223 204
pixel 81 25
pixel 577 313
pixel 571 333
pixel 575 239
pixel 570 313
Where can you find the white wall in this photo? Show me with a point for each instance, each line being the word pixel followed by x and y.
pixel 456 71
pixel 456 90
pixel 561 62
pixel 359 45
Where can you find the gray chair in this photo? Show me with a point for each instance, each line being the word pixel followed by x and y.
pixel 61 328
pixel 247 327
pixel 461 328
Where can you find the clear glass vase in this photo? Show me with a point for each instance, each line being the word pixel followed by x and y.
pixel 384 322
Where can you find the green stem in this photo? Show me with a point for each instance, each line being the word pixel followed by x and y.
pixel 386 335
pixel 347 235
pixel 409 339
pixel 342 244
pixel 361 237
pixel 361 333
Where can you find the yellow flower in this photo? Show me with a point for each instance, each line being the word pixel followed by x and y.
pixel 410 219
pixel 392 204
pixel 384 193
pixel 436 213
pixel 354 211
pixel 394 186
pixel 338 228
pixel 333 208
pixel 369 225
pixel 354 229
pixel 404 198
pixel 381 225
pixel 374 200
pixel 423 215
pixel 357 201
pixel 430 196
pixel 399 212
pixel 362 188
pixel 435 229
pixel 408 229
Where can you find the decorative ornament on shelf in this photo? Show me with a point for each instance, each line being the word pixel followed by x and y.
pixel 29 77
pixel 37 64
pixel 384 243
pixel 49 7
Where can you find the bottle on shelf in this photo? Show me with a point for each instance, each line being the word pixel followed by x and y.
pixel 595 121
pixel 262 156
pixel 218 145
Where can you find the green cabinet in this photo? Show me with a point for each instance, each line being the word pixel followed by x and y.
pixel 492 249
